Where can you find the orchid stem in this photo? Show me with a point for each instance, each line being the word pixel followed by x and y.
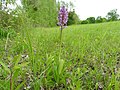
pixel 60 42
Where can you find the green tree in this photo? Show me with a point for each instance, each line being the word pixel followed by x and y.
pixel 104 19
pixel 91 20
pixel 112 15
pixel 99 19
pixel 41 12
pixel 73 18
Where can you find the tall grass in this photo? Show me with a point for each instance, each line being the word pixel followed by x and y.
pixel 91 55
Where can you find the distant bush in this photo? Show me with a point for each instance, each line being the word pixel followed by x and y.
pixel 99 19
pixel 91 20
pixel 84 22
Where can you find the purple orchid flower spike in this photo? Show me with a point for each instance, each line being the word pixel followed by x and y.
pixel 63 17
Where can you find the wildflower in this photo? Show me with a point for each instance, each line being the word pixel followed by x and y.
pixel 63 16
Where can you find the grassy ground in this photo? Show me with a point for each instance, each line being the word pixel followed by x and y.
pixel 89 58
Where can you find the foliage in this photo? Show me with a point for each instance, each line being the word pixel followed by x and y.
pixel 41 12
pixel 12 18
pixel 104 19
pixel 84 22
pixel 87 57
pixel 90 58
pixel 99 19
pixel 73 18
pixel 5 32
pixel 112 15
pixel 91 20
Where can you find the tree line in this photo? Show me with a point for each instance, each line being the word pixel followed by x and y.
pixel 111 16
pixel 73 18
pixel 43 13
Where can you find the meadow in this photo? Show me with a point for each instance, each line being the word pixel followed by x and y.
pixel 89 58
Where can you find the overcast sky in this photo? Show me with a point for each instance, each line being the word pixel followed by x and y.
pixel 87 8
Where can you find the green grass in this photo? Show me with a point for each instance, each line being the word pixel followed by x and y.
pixel 90 58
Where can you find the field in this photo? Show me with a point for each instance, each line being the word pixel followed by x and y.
pixel 87 58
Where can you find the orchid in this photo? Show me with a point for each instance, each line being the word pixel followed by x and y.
pixel 62 16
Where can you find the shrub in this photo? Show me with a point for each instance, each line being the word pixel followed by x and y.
pixel 84 22
pixel 91 19
pixel 99 19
